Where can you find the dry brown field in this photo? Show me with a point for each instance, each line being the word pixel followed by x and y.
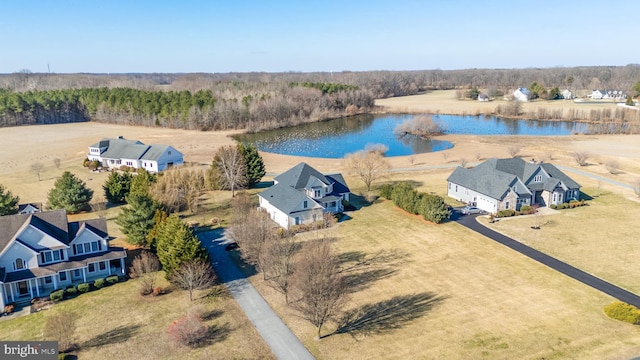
pixel 472 298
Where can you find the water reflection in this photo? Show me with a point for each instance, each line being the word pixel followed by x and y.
pixel 335 138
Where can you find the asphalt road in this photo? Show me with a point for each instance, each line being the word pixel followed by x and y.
pixel 606 287
pixel 283 343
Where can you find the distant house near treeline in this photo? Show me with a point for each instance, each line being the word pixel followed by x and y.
pixel 483 97
pixel 522 94
pixel 608 94
pixel 114 153
pixel 567 94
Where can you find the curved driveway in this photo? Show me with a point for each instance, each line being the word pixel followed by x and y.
pixel 283 343
pixel 608 288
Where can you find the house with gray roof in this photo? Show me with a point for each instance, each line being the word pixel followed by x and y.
pixel 522 94
pixel 114 153
pixel 301 195
pixel 42 252
pixel 500 184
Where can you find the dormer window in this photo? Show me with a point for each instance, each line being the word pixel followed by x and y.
pixel 51 256
pixel 537 178
pixel 19 264
pixel 515 188
pixel 316 193
pixel 86 248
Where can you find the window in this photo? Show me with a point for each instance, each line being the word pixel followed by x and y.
pixel 515 188
pixel 47 256
pixel 92 267
pixel 102 265
pixel 57 255
pixel 506 205
pixel 63 276
pixel 94 246
pixel 19 264
pixel 456 188
pixel 76 272
pixel 47 279
pixel 332 204
pixel 169 152
pixel 87 247
pixel 305 204
pixel 316 193
pixel 79 249
pixel 537 178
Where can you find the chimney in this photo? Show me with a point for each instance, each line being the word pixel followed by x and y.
pixel 120 137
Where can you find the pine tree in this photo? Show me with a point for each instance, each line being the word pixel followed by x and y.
pixel 137 219
pixel 141 183
pixel 117 187
pixel 176 244
pixel 70 193
pixel 8 202
pixel 254 166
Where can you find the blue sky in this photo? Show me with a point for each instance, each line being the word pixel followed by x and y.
pixel 119 36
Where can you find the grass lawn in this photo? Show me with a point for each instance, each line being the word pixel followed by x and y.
pixel 117 323
pixel 600 238
pixel 444 292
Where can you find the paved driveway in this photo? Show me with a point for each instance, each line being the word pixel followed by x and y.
pixel 621 294
pixel 283 343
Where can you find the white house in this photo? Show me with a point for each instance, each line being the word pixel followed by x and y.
pixel 567 94
pixel 483 97
pixel 115 153
pixel 302 194
pixel 608 94
pixel 42 252
pixel 501 184
pixel 522 94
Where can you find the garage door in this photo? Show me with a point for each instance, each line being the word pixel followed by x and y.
pixel 485 204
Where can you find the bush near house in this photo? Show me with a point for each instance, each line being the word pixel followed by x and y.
pixel 111 279
pixel 98 283
pixel 431 207
pixel 623 312
pixel 506 213
pixel 570 205
pixel 57 295
pixel 71 291
pixel 84 287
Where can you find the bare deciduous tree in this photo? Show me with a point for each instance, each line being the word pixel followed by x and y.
pixel 279 263
pixel 99 205
pixel 228 169
pixel 144 267
pixel 367 165
pixel 463 162
pixel 636 187
pixel 581 157
pixel 320 286
pixel 420 125
pixel 514 150
pixel 37 168
pixel 60 327
pixel 193 275
pixel 445 156
pixel 251 229
pixel 613 167
pixel 478 156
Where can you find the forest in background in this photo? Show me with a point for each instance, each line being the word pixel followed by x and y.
pixel 257 101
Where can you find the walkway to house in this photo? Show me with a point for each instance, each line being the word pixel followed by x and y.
pixel 283 343
pixel 623 295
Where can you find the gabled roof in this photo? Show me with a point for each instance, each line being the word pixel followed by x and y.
pixel 495 176
pixel 339 185
pixel 53 223
pixel 24 207
pixel 154 152
pixel 285 198
pixel 125 149
pixel 298 176
pixel 524 91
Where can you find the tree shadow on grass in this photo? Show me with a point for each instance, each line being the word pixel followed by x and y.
pixel 387 315
pixel 215 334
pixel 363 279
pixel 213 314
pixel 114 336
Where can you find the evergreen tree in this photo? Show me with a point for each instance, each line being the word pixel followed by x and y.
pixel 158 219
pixel 254 166
pixel 176 244
pixel 141 183
pixel 136 219
pixel 8 202
pixel 117 187
pixel 70 193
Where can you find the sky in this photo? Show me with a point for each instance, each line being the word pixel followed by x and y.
pixel 141 36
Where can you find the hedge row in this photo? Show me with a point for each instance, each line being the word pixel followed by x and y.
pixel 82 288
pixel 431 207
pixel 570 205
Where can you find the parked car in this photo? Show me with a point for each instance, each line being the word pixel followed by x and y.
pixel 231 246
pixel 470 210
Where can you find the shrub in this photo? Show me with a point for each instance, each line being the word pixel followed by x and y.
pixel 84 287
pixel 98 284
pixel 71 291
pixel 157 291
pixel 188 331
pixel 623 312
pixel 386 190
pixel 56 295
pixel 506 213
pixel 112 279
pixel 526 209
pixel 553 206
pixel 8 309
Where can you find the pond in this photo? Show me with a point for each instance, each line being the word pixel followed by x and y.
pixel 336 138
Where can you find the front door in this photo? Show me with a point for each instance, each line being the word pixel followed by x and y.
pixel 23 289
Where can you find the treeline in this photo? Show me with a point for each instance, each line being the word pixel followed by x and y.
pixel 252 107
pixel 379 83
